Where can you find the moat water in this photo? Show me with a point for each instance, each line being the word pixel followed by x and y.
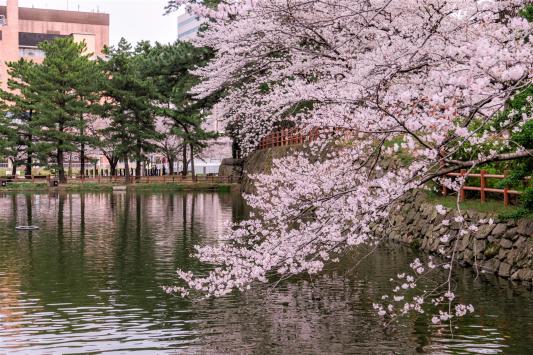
pixel 89 281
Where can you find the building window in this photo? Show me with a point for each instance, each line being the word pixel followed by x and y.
pixel 188 32
pixel 31 52
pixel 187 21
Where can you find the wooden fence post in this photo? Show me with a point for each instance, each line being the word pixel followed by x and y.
pixel 505 191
pixel 462 190
pixel 289 136
pixel 483 185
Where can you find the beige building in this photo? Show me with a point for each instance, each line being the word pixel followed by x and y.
pixel 22 29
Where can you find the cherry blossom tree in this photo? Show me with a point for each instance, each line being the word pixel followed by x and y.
pixel 378 78
pixel 170 145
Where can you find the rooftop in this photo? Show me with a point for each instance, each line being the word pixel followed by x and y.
pixel 31 14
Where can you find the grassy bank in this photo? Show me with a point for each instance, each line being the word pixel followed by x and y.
pixel 199 186
pixel 494 207
pixel 95 187
pixel 25 187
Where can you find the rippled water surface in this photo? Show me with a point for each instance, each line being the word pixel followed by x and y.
pixel 89 280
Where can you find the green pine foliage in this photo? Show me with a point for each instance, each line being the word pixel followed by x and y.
pixel 130 102
pixel 48 111
pixel 60 88
pixel 168 67
pixel 19 109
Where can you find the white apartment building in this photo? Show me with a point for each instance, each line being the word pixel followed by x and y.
pixel 188 26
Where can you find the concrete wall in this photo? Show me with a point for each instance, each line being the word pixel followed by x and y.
pixel 9 45
pixel 100 33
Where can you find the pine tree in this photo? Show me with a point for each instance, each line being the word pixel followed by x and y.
pixel 7 134
pixel 90 94
pixel 60 90
pixel 130 103
pixel 168 66
pixel 19 110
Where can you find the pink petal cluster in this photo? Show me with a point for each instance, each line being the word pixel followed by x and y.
pixel 412 72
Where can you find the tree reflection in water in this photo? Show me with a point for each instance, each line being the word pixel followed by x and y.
pixel 90 279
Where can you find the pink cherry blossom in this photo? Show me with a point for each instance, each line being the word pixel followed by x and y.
pixel 377 79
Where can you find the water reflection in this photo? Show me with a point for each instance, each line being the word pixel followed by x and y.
pixel 89 280
pixel 96 265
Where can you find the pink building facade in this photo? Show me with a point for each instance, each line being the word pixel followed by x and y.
pixel 22 29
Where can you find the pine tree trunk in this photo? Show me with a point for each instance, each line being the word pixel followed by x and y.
pixel 192 164
pixel 14 167
pixel 127 169
pixel 29 164
pixel 60 159
pixel 61 167
pixel 82 160
pixel 69 172
pixel 82 147
pixel 138 169
pixel 138 162
pixel 171 166
pixel 184 157
pixel 29 159
pixel 113 167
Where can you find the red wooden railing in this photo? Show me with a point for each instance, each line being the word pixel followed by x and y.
pixel 288 136
pixel 483 189
pixel 295 136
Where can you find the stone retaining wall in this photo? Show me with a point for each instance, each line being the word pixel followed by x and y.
pixel 231 168
pixel 260 162
pixel 504 248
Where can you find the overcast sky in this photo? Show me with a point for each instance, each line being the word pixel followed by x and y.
pixel 134 20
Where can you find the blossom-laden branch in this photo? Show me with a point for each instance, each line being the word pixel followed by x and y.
pixel 408 77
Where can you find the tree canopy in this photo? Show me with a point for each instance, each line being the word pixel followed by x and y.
pixel 376 78
pixel 70 103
